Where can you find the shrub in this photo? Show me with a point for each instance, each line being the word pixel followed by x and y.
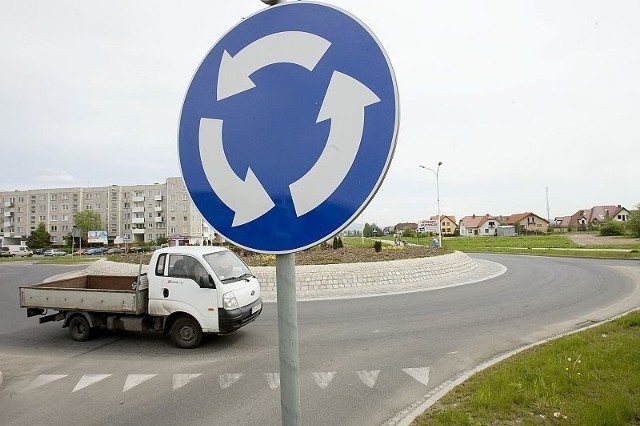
pixel 377 246
pixel 611 227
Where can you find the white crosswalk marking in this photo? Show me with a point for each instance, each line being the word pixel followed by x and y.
pixel 324 378
pixel 227 380
pixel 43 379
pixel 420 374
pixel 88 380
pixel 179 380
pixel 134 380
pixel 273 380
pixel 369 377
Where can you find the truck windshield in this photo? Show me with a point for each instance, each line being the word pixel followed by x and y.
pixel 227 266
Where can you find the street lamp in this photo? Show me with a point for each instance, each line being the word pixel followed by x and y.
pixel 436 172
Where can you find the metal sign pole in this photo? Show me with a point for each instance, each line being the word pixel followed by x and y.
pixel 288 340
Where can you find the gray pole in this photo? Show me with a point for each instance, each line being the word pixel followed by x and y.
pixel 288 340
pixel 436 173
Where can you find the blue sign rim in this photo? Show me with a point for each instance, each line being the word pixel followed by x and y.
pixel 383 170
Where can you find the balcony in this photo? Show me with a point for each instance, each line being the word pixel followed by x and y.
pixel 158 219
pixel 138 199
pixel 137 209
pixel 8 234
pixel 157 209
pixel 158 198
pixel 8 204
pixel 137 220
pixel 8 214
pixel 7 224
pixel 138 231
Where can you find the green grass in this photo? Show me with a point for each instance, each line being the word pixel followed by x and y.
pixel 588 378
pixel 556 245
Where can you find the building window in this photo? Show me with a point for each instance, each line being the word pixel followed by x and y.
pixel 54 228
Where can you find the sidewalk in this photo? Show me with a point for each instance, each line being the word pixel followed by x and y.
pixel 351 280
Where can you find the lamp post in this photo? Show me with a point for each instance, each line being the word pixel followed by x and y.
pixel 436 172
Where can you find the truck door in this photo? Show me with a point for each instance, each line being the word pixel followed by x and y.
pixel 181 285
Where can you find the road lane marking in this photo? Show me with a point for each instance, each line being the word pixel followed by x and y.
pixel 420 374
pixel 134 380
pixel 227 380
pixel 273 380
pixel 43 379
pixel 369 378
pixel 88 380
pixel 180 380
pixel 324 378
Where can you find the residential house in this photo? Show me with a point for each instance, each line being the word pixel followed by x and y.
pixel 594 216
pixel 402 226
pixel 599 214
pixel 526 223
pixel 448 224
pixel 472 226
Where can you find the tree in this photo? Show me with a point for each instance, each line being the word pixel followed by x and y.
pixel 367 231
pixel 633 224
pixel 39 238
pixel 87 220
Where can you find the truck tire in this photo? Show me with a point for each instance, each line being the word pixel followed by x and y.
pixel 186 333
pixel 79 329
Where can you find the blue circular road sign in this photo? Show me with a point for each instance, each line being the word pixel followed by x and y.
pixel 288 127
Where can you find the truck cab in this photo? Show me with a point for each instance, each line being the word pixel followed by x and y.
pixel 208 284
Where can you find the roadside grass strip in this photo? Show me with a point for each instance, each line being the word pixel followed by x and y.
pixel 587 378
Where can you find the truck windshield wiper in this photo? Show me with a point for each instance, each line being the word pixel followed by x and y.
pixel 244 276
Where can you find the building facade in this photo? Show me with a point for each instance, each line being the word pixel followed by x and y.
pixel 135 214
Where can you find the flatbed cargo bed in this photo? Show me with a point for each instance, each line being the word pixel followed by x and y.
pixel 98 293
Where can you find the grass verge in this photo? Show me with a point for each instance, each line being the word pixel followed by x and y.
pixel 587 378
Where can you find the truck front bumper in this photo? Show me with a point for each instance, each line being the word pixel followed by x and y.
pixel 236 318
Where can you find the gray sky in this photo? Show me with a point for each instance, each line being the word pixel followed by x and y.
pixel 512 97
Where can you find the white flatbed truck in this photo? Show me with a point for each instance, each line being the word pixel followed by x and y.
pixel 187 291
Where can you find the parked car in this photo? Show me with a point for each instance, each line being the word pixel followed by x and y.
pixel 5 252
pixel 55 252
pixel 136 249
pixel 95 251
pixel 80 252
pixel 115 250
pixel 39 251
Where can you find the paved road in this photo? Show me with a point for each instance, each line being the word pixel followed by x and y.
pixel 363 361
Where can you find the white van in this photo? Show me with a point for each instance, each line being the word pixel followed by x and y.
pixel 19 250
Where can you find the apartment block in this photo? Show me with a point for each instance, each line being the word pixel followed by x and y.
pixel 136 213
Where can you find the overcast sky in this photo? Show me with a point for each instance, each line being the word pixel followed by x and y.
pixel 512 96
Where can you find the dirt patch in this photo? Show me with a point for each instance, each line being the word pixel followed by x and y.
pixel 594 240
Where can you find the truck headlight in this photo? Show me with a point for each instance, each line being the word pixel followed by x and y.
pixel 229 301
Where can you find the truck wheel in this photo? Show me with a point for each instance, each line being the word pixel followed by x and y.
pixel 186 333
pixel 79 328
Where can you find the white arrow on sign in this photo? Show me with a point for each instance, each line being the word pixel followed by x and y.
pixel 296 47
pixel 344 104
pixel 247 198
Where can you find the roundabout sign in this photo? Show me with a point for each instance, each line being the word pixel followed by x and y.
pixel 288 127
